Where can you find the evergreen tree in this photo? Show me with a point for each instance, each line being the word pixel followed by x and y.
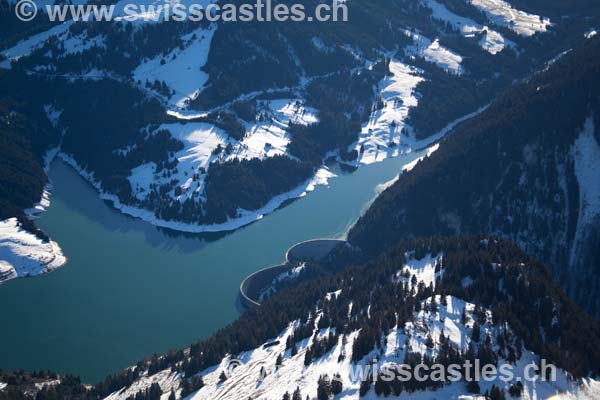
pixel 476 332
pixel 297 394
pixel 473 387
pixel 323 388
pixel 516 390
pixel 496 393
pixel 336 384
pixel 308 357
pixel 365 385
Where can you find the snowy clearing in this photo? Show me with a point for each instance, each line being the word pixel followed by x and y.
pixel 204 144
pixel 491 41
pixel 424 270
pixel 381 137
pixel 200 141
pixel 181 70
pixel 268 137
pixel 502 13
pixel 27 46
pixel 435 53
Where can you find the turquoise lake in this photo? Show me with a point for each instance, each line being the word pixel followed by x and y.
pixel 130 289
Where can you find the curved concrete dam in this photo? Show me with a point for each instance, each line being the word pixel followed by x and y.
pixel 309 250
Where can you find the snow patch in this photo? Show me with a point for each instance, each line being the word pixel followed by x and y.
pixel 181 69
pixel 200 141
pixel 268 137
pixel 24 254
pixel 424 270
pixel 27 46
pixel 41 205
pixel 333 295
pixel 80 43
pixel 587 165
pixel 491 41
pixel 412 164
pixel 435 53
pixel 52 114
pixel 320 45
pixel 502 13
pixel 382 136
pixel 204 144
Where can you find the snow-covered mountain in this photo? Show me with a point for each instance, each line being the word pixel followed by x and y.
pixel 439 301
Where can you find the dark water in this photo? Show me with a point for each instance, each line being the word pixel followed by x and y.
pixel 130 289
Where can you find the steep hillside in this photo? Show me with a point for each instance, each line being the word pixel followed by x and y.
pixel 24 249
pixel 526 169
pixel 425 301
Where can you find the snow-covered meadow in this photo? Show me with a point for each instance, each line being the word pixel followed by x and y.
pixel 501 13
pixel 432 51
pixel 384 134
pixel 183 72
pixel 491 40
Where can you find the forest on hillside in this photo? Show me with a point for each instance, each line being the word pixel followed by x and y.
pixel 509 171
pixel 541 317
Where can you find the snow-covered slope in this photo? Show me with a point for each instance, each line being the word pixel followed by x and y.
pixel 491 41
pixel 23 254
pixel 204 144
pixel 26 46
pixel 183 73
pixel 426 270
pixel 434 52
pixel 386 131
pixel 587 167
pixel 503 14
pixel 360 332
pixel 200 141
pixel 256 375
pixel 268 136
